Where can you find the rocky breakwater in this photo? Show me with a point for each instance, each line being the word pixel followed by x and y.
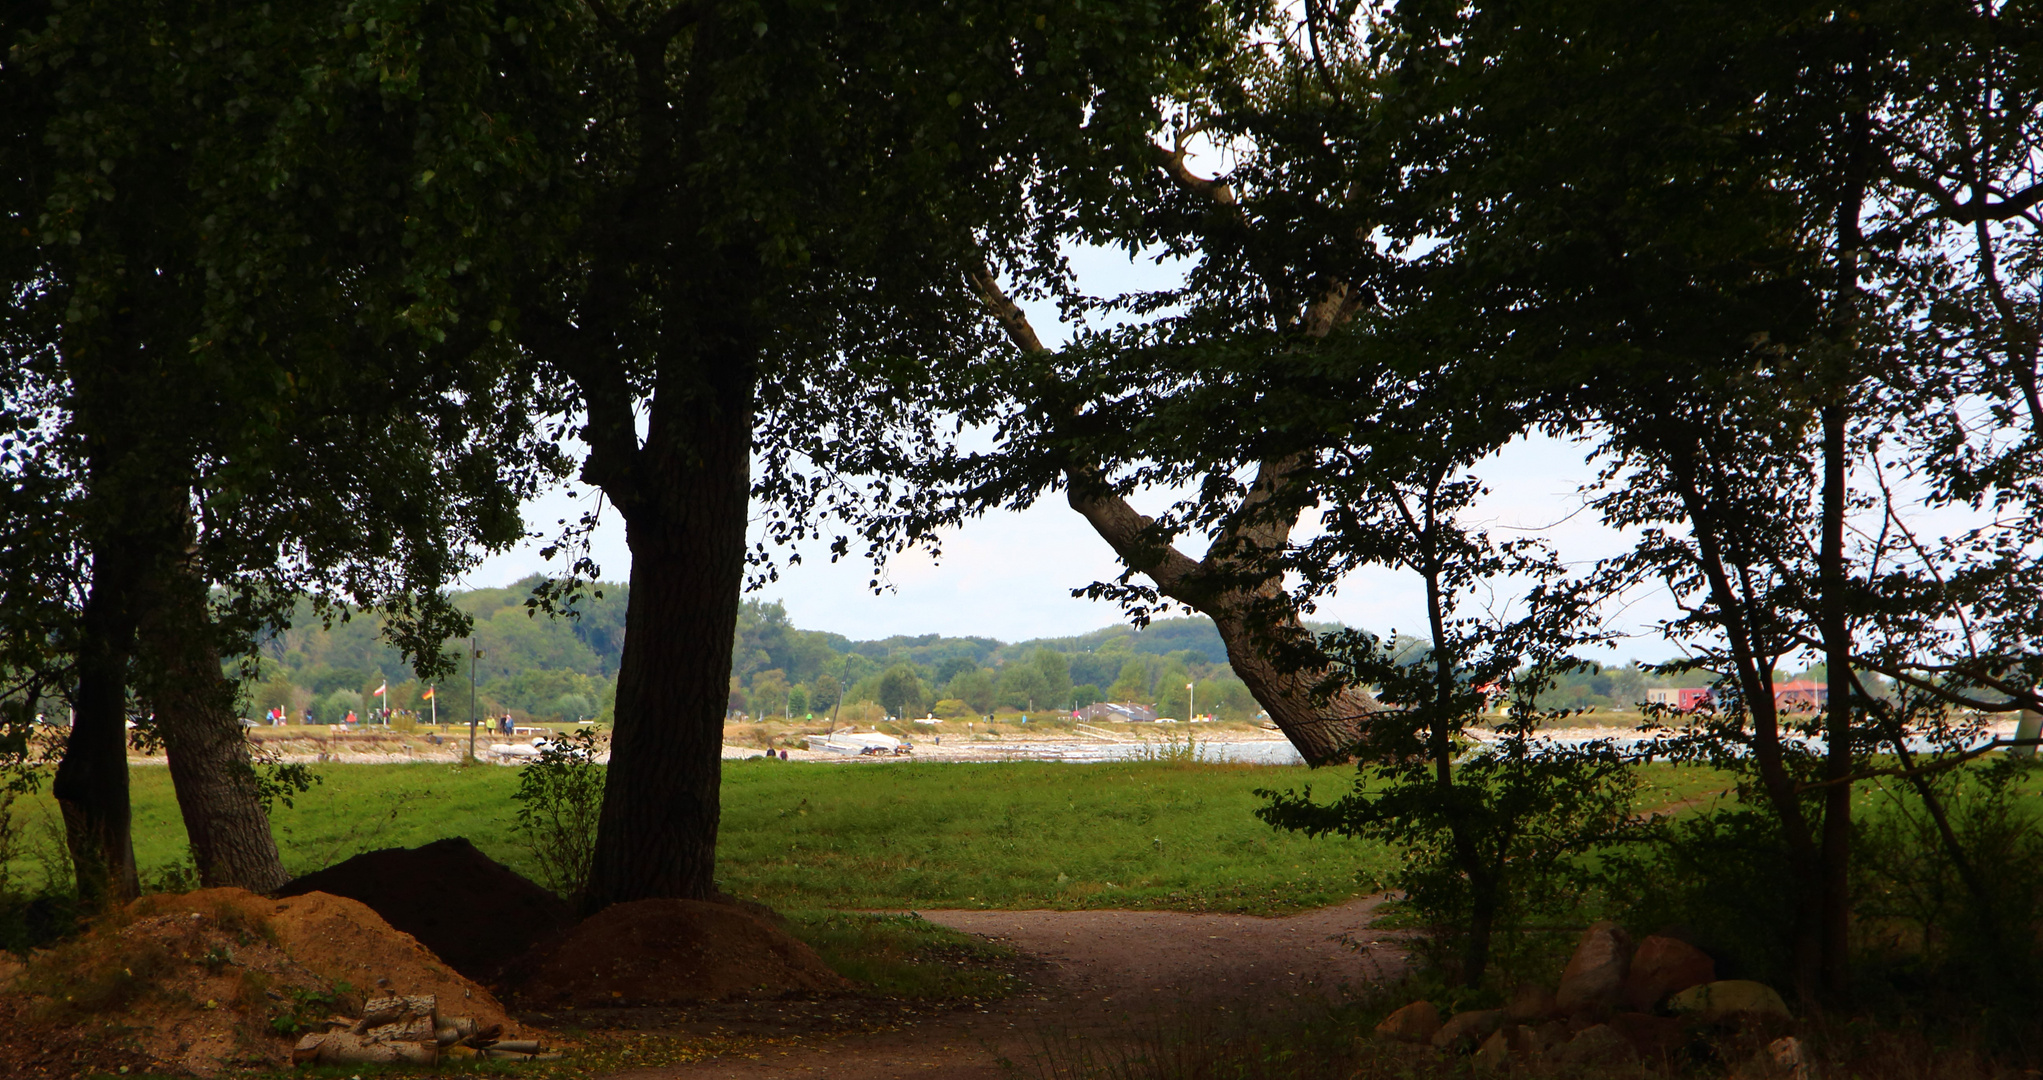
pixel 1618 1002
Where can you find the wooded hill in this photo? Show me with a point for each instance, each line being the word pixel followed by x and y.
pixel 541 668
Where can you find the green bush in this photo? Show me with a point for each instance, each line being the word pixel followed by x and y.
pixel 560 798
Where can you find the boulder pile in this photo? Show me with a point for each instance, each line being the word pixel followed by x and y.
pixel 1616 1002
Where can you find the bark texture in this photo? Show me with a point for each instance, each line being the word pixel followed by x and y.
pixel 1324 729
pixel 217 790
pixel 654 306
pixel 1240 601
pixel 91 785
pixel 684 504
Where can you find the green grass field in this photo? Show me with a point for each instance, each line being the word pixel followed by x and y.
pixel 874 837
pixel 892 836
pixel 834 846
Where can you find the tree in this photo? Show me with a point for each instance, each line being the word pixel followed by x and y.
pixel 975 688
pixel 1783 310
pixel 1132 685
pixel 1283 263
pixel 823 691
pixel 771 212
pixel 954 666
pixel 1492 835
pixel 900 691
pixel 1170 694
pixel 1054 668
pixel 248 421
pixel 769 693
pixel 1023 686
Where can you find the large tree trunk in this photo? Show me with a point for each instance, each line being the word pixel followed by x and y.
pixel 91 785
pixel 1326 729
pixel 685 501
pixel 1836 634
pixel 217 791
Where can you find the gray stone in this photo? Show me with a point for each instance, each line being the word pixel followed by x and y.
pixel 1594 979
pixel 1662 966
pixel 1468 1028
pixel 1508 1044
pixel 1597 1045
pixel 1730 997
pixel 1531 1002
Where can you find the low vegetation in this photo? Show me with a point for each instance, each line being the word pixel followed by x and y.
pixel 907 956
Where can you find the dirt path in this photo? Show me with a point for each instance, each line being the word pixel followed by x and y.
pixel 1096 974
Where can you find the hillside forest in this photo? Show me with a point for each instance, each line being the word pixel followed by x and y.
pixel 539 668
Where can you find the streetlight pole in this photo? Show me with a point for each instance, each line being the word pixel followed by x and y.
pixel 474 654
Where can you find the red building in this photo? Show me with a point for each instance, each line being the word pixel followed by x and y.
pixel 1801 695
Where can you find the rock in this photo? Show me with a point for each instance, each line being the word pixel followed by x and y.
pixel 1468 1028
pixel 1495 1052
pixel 1531 1002
pixel 1594 979
pixel 1652 1036
pixel 1783 1059
pixel 1506 1044
pixel 1596 1045
pixel 1415 1023
pixel 1786 1054
pixel 1662 966
pixel 1730 997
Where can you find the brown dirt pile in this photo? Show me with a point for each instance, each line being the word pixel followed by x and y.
pixel 660 952
pixel 473 912
pixel 201 982
pixel 343 941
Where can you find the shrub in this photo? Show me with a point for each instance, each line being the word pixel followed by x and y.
pixel 560 799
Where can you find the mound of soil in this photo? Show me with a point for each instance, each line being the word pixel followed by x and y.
pixel 344 941
pixel 216 979
pixel 473 912
pixel 663 952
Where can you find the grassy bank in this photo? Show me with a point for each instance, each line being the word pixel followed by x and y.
pixel 882 836
pixel 1021 834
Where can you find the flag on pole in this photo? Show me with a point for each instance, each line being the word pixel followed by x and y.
pixel 379 690
pixel 428 695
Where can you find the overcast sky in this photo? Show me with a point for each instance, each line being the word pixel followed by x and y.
pixel 1010 575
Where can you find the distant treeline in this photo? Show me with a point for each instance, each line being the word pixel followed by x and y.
pixel 564 669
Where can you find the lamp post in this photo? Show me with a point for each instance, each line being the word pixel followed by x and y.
pixel 474 654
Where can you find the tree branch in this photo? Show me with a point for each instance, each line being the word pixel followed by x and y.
pixel 1172 162
pixel 1940 765
pixel 1110 515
